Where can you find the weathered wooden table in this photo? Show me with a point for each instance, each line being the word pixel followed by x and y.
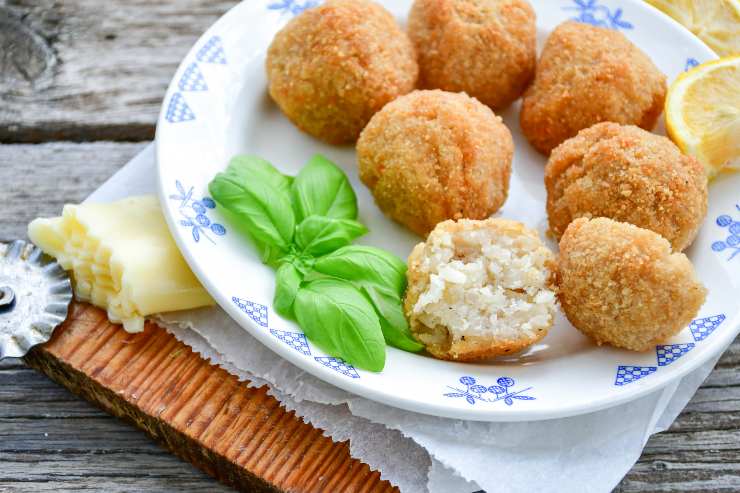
pixel 80 88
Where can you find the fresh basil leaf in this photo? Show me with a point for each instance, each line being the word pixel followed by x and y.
pixel 256 166
pixel 318 235
pixel 263 208
pixel 393 322
pixel 366 265
pixel 287 281
pixel 269 254
pixel 339 319
pixel 322 189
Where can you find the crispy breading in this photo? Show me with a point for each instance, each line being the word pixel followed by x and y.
pixel 586 75
pixel 621 285
pixel 486 48
pixel 333 66
pixel 434 155
pixel 514 306
pixel 630 175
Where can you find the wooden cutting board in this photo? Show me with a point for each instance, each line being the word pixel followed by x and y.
pixel 240 435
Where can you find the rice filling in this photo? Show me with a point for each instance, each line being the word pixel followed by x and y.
pixel 486 284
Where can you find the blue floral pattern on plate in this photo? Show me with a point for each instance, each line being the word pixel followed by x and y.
pixel 503 391
pixel 194 214
pixel 628 374
pixel 732 242
pixel 178 110
pixel 192 79
pixel 296 340
pixel 293 7
pixel 701 328
pixel 338 365
pixel 592 12
pixel 255 311
pixel 212 52
pixel 667 354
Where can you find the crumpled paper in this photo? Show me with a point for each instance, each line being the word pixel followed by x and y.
pixel 416 452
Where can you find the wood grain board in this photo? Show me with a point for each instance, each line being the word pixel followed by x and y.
pixel 78 74
pixel 240 435
pixel 89 70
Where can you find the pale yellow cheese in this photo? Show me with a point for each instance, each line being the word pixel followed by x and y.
pixel 122 259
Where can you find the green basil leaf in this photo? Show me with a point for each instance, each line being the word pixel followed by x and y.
pixel 269 254
pixel 287 281
pixel 256 166
pixel 339 319
pixel 393 323
pixel 366 265
pixel 303 263
pixel 318 235
pixel 263 208
pixel 322 189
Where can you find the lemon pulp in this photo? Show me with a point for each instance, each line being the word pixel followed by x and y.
pixel 716 22
pixel 703 113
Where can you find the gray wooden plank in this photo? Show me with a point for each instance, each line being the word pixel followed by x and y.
pixel 202 484
pixel 52 440
pixel 88 70
pixel 37 180
pixel 96 467
pixel 11 363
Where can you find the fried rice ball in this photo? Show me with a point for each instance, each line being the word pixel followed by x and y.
pixel 333 66
pixel 478 289
pixel 588 75
pixel 630 175
pixel 434 155
pixel 486 48
pixel 621 285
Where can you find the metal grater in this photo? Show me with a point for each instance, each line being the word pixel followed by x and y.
pixel 35 293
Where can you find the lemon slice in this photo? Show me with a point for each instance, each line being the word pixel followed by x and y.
pixel 703 113
pixel 716 22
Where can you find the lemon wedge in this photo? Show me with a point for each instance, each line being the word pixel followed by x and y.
pixel 702 113
pixel 716 22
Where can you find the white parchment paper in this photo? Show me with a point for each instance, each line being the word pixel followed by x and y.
pixel 420 453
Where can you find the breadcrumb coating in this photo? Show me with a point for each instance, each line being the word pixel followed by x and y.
pixel 587 75
pixel 486 48
pixel 478 289
pixel 630 175
pixel 434 155
pixel 621 285
pixel 333 66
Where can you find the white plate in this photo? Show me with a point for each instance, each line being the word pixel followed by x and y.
pixel 217 106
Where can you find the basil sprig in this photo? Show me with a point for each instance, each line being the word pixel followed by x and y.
pixel 318 235
pixel 258 195
pixel 340 319
pixel 321 188
pixel 287 282
pixel 346 298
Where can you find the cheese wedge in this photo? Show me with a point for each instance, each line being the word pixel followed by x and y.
pixel 122 259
